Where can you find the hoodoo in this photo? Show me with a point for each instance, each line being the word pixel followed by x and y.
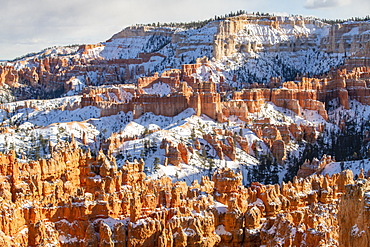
pixel 245 130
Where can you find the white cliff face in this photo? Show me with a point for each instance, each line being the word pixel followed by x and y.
pixel 247 34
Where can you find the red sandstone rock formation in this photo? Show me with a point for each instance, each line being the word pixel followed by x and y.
pixel 354 214
pixel 308 94
pixel 222 147
pixel 278 151
pixel 75 199
pixel 314 167
pixel 175 154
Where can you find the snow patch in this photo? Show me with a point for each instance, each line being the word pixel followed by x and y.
pixel 161 89
pixel 220 230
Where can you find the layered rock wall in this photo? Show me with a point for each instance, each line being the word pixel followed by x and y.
pixel 308 94
pixel 340 38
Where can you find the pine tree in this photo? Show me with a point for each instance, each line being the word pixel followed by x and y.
pixel 156 164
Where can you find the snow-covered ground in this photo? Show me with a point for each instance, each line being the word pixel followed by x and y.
pixel 354 165
pixel 159 89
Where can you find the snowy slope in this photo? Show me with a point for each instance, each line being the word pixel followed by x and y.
pixel 178 46
pixel 354 165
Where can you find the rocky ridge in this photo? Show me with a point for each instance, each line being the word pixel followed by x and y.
pixel 279 45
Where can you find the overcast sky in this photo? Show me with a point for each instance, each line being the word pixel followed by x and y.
pixel 32 25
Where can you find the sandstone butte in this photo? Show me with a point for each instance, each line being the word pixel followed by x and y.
pixel 74 199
